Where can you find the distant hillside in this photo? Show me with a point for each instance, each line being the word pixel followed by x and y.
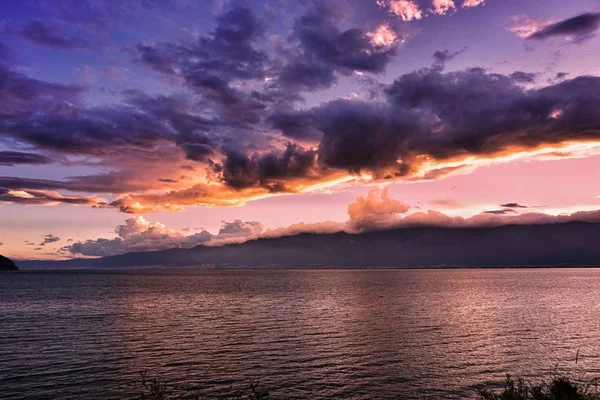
pixel 6 264
pixel 568 244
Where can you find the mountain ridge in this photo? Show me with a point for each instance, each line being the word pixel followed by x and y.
pixel 559 244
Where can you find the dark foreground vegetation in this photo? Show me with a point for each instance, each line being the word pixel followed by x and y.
pixel 557 387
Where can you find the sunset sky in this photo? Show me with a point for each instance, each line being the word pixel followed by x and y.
pixel 150 124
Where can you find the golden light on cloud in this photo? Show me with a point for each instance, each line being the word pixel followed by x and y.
pixel 556 114
pixel 383 36
pixel 407 10
pixel 21 194
pixel 423 167
pixel 428 167
pixel 442 7
pixel 473 3
pixel 524 26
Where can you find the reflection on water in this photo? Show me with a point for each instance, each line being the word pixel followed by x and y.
pixel 324 333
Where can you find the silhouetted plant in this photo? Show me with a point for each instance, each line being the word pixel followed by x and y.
pixel 559 388
pixel 151 388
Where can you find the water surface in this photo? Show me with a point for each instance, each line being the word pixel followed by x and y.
pixel 326 334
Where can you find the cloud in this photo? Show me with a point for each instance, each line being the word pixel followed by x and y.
pixel 47 35
pixel 500 212
pixel 237 231
pixel 10 158
pixel 240 171
pixel 524 26
pixel 428 124
pixel 577 28
pixel 321 50
pixel 213 64
pixel 234 128
pixel 50 238
pixel 443 7
pixel 37 197
pixel 390 219
pixel 6 53
pixel 407 10
pixel 376 210
pixel 441 57
pixel 21 95
pixel 513 205
pixel 523 77
pixel 472 3
pixel 138 234
pixel 326 227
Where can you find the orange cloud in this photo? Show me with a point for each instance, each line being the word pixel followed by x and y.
pixel 407 10
pixel 443 7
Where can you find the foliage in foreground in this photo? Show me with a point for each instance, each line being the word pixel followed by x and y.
pixel 152 388
pixel 559 388
pixel 157 389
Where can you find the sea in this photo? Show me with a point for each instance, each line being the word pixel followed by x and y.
pixel 300 334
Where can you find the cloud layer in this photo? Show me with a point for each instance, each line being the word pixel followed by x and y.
pixel 236 124
pixel 375 211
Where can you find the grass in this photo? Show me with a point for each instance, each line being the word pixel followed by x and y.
pixel 154 388
pixel 157 389
pixel 559 387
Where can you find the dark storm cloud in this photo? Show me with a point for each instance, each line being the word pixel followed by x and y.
pixel 47 35
pixel 513 205
pixel 98 131
pixel 269 170
pixel 424 116
pixel 580 27
pixel 483 113
pixel 306 74
pixel 360 135
pixel 210 64
pixel 10 158
pixel 214 64
pixel 324 50
pixel 140 124
pixel 24 95
pixel 469 112
pixel 241 102
pixel 295 124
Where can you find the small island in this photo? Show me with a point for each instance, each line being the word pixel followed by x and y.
pixel 6 264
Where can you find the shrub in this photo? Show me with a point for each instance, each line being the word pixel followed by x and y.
pixel 559 388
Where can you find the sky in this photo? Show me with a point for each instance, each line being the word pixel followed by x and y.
pixel 149 124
